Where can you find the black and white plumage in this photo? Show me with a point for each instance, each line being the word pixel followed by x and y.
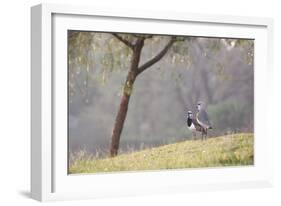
pixel 203 119
pixel 192 123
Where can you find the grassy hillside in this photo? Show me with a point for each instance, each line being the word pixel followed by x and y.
pixel 227 150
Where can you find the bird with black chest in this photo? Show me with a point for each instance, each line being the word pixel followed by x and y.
pixel 203 119
pixel 192 124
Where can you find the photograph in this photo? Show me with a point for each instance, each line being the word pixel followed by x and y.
pixel 152 102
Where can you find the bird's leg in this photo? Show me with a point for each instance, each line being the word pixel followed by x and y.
pixel 203 134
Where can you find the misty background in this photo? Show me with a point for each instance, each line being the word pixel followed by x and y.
pixel 218 71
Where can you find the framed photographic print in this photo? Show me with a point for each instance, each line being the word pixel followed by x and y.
pixel 138 102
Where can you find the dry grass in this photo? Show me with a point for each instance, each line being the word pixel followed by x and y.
pixel 230 150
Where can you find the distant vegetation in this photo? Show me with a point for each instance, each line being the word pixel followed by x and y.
pixel 170 76
pixel 229 150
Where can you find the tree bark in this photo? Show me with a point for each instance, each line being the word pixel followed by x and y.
pixel 118 126
pixel 127 91
pixel 121 115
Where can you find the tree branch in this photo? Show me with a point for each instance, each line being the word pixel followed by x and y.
pixel 125 41
pixel 157 57
pixel 145 36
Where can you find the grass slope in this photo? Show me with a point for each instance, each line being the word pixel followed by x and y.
pixel 230 150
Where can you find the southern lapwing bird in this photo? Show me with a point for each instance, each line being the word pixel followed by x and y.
pixel 203 119
pixel 192 124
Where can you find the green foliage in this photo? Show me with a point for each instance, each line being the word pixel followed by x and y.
pixel 92 57
pixel 221 74
pixel 214 45
pixel 231 150
pixel 229 116
pixel 243 44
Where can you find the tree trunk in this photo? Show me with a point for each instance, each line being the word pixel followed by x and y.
pixel 127 91
pixel 118 126
pixel 122 113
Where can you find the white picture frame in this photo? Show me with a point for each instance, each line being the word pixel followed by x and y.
pixel 49 178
